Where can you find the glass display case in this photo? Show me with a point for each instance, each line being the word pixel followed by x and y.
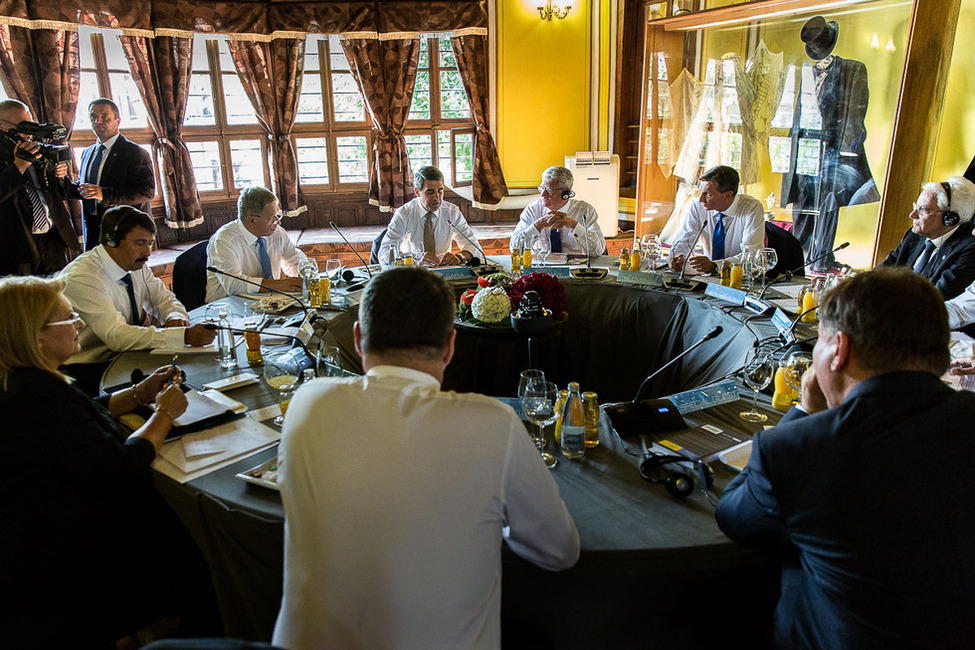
pixel 802 104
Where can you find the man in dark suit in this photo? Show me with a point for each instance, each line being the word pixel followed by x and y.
pixel 114 171
pixel 939 245
pixel 864 492
pixel 36 233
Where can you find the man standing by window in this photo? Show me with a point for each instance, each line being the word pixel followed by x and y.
pixel 114 171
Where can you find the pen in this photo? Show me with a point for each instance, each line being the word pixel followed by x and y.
pixel 172 371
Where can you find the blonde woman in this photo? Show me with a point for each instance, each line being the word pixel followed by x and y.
pixel 83 529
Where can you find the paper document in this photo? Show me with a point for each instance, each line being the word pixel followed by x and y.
pixel 228 443
pixel 187 349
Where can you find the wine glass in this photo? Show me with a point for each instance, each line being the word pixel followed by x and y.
pixel 765 261
pixel 528 377
pixel 651 251
pixel 540 403
pixel 757 374
pixel 281 372
pixel 329 361
pixel 542 248
pixel 794 365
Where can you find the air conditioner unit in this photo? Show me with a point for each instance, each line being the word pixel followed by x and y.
pixel 596 180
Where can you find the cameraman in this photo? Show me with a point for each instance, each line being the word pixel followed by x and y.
pixel 36 233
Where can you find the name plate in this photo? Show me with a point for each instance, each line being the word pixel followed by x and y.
pixel 561 272
pixel 454 273
pixel 728 294
pixel 636 277
pixel 704 397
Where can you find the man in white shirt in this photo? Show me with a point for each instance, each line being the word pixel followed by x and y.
pixel 397 495
pixel 556 216
pixel 124 306
pixel 427 220
pixel 727 223
pixel 254 247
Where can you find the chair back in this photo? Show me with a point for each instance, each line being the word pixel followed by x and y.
pixel 788 251
pixel 190 276
pixel 376 243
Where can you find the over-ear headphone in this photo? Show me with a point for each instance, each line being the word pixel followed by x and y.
pixel 567 194
pixel 949 218
pixel 111 238
pixel 678 482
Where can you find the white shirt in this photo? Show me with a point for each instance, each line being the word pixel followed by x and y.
pixel 744 227
pixel 573 241
pixel 233 249
pixel 411 219
pixel 396 499
pixel 961 308
pixel 108 144
pixel 92 285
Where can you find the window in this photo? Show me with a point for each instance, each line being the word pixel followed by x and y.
pixel 439 108
pixel 332 133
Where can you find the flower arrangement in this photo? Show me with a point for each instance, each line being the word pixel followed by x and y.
pixel 497 295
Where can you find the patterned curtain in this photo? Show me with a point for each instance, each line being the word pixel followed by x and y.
pixel 385 72
pixel 161 70
pixel 488 184
pixel 271 76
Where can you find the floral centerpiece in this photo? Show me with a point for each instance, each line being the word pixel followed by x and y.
pixel 497 295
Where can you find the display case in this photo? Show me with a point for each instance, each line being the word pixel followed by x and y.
pixel 801 98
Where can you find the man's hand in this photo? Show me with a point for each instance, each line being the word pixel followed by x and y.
pixel 964 366
pixel 176 322
pixel 89 191
pixel 449 259
pixel 61 170
pixel 554 220
pixel 286 285
pixel 429 259
pixel 198 336
pixel 28 146
pixel 811 396
pixel 676 263
pixel 701 264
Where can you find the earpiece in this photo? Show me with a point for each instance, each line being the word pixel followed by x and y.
pixel 678 482
pixel 949 218
pixel 567 194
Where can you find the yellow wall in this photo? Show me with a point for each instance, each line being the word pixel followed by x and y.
pixel 956 139
pixel 543 88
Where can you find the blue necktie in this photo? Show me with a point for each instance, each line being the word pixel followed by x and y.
pixel 555 235
pixel 925 257
pixel 91 177
pixel 265 258
pixel 136 316
pixel 717 239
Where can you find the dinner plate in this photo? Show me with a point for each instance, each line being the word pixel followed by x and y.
pixel 265 474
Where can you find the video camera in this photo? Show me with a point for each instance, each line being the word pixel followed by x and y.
pixel 43 134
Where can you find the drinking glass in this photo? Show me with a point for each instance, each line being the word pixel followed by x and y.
pixel 539 403
pixel 281 373
pixel 757 374
pixel 765 261
pixel 794 365
pixel 542 248
pixel 329 361
pixel 333 269
pixel 417 251
pixel 747 263
pixel 528 377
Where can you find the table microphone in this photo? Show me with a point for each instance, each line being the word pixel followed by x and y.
pixel 297 300
pixel 680 282
pixel 588 273
pixel 652 415
pixel 471 263
pixel 352 248
pixel 785 277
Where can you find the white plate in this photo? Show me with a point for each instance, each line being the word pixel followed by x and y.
pixel 262 475
pixel 271 305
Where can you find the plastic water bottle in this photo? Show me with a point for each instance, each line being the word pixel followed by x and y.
pixel 225 343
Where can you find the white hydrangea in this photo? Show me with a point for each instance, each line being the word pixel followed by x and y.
pixel 491 305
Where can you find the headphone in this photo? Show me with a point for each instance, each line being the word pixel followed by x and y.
pixel 111 238
pixel 950 218
pixel 678 482
pixel 567 194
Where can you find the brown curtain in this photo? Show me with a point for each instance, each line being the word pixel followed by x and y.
pixel 161 70
pixel 471 54
pixel 271 76
pixel 385 72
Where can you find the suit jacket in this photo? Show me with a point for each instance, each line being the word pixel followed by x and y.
pixel 127 179
pixel 952 267
pixel 19 254
pixel 868 502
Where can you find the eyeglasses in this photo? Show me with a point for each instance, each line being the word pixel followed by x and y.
pixel 550 190
pixel 925 211
pixel 74 319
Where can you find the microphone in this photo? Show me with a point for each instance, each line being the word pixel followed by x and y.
pixel 304 348
pixel 652 415
pixel 473 243
pixel 587 273
pixel 348 276
pixel 785 277
pixel 352 248
pixel 680 283
pixel 297 301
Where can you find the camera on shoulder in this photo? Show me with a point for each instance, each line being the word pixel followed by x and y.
pixel 44 135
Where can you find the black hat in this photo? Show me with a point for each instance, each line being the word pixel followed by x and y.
pixel 819 37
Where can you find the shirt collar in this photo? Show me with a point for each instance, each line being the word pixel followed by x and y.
pixel 111 266
pixel 110 142
pixel 940 241
pixel 733 209
pixel 401 372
